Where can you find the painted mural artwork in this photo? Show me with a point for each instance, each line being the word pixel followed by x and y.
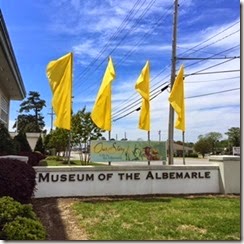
pixel 116 151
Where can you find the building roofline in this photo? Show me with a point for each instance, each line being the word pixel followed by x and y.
pixel 10 56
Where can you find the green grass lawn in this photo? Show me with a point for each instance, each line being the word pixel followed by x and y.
pixel 161 218
pixel 72 163
pixel 59 161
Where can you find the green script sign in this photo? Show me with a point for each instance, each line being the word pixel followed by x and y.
pixel 116 151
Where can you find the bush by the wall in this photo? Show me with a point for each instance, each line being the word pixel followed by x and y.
pixel 43 163
pixel 19 221
pixel 10 209
pixel 39 145
pixel 7 144
pixel 24 229
pixel 33 157
pixel 17 180
pixel 23 143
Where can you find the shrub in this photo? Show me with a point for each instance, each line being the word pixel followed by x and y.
pixel 57 158
pixel 23 143
pixel 193 155
pixel 7 144
pixel 17 180
pixel 33 157
pixel 39 145
pixel 24 229
pixel 10 209
pixel 19 221
pixel 43 163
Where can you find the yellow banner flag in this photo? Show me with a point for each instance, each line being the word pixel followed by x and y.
pixel 59 73
pixel 143 87
pixel 177 99
pixel 101 113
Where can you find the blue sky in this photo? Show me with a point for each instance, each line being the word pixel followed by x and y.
pixel 133 32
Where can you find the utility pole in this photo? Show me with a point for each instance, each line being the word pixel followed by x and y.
pixel 159 135
pixel 173 67
pixel 52 113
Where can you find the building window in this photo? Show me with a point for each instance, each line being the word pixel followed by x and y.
pixel 4 110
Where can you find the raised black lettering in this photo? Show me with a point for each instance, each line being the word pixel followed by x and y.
pixel 43 178
pixel 172 175
pixel 72 177
pixel 149 176
pixel 179 175
pixel 129 176
pixel 90 177
pixel 187 175
pixel 165 175
pixel 194 175
pixel 80 177
pixel 137 176
pixel 63 177
pixel 200 176
pixel 207 175
pixel 101 176
pixel 54 178
pixel 157 176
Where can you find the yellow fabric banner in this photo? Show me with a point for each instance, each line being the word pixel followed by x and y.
pixel 101 113
pixel 177 99
pixel 143 87
pixel 59 73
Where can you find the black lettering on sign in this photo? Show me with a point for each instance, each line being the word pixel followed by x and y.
pixel 179 175
pixel 194 175
pixel 72 177
pixel 149 176
pixel 207 175
pixel 43 178
pixel 63 178
pixel 101 177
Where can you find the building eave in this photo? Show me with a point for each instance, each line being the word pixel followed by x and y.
pixel 10 77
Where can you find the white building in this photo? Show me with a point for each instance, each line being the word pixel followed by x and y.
pixel 11 84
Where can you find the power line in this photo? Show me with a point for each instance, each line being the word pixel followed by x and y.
pixel 126 34
pixel 113 36
pixel 212 93
pixel 221 79
pixel 135 103
pixel 213 72
pixel 209 39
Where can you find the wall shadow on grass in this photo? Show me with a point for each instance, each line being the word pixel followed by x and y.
pixel 48 212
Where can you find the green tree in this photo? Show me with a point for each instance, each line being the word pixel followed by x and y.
pixel 84 130
pixel 22 142
pixel 39 145
pixel 202 146
pixel 31 122
pixel 234 137
pixel 7 144
pixel 213 138
pixel 59 139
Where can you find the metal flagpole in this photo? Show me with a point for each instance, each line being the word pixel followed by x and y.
pixel 183 139
pixel 148 138
pixel 109 137
pixel 171 110
pixel 69 148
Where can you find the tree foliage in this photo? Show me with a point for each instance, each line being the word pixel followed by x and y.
pixel 59 139
pixel 7 144
pixel 23 143
pixel 202 146
pixel 234 137
pixel 31 122
pixel 84 130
